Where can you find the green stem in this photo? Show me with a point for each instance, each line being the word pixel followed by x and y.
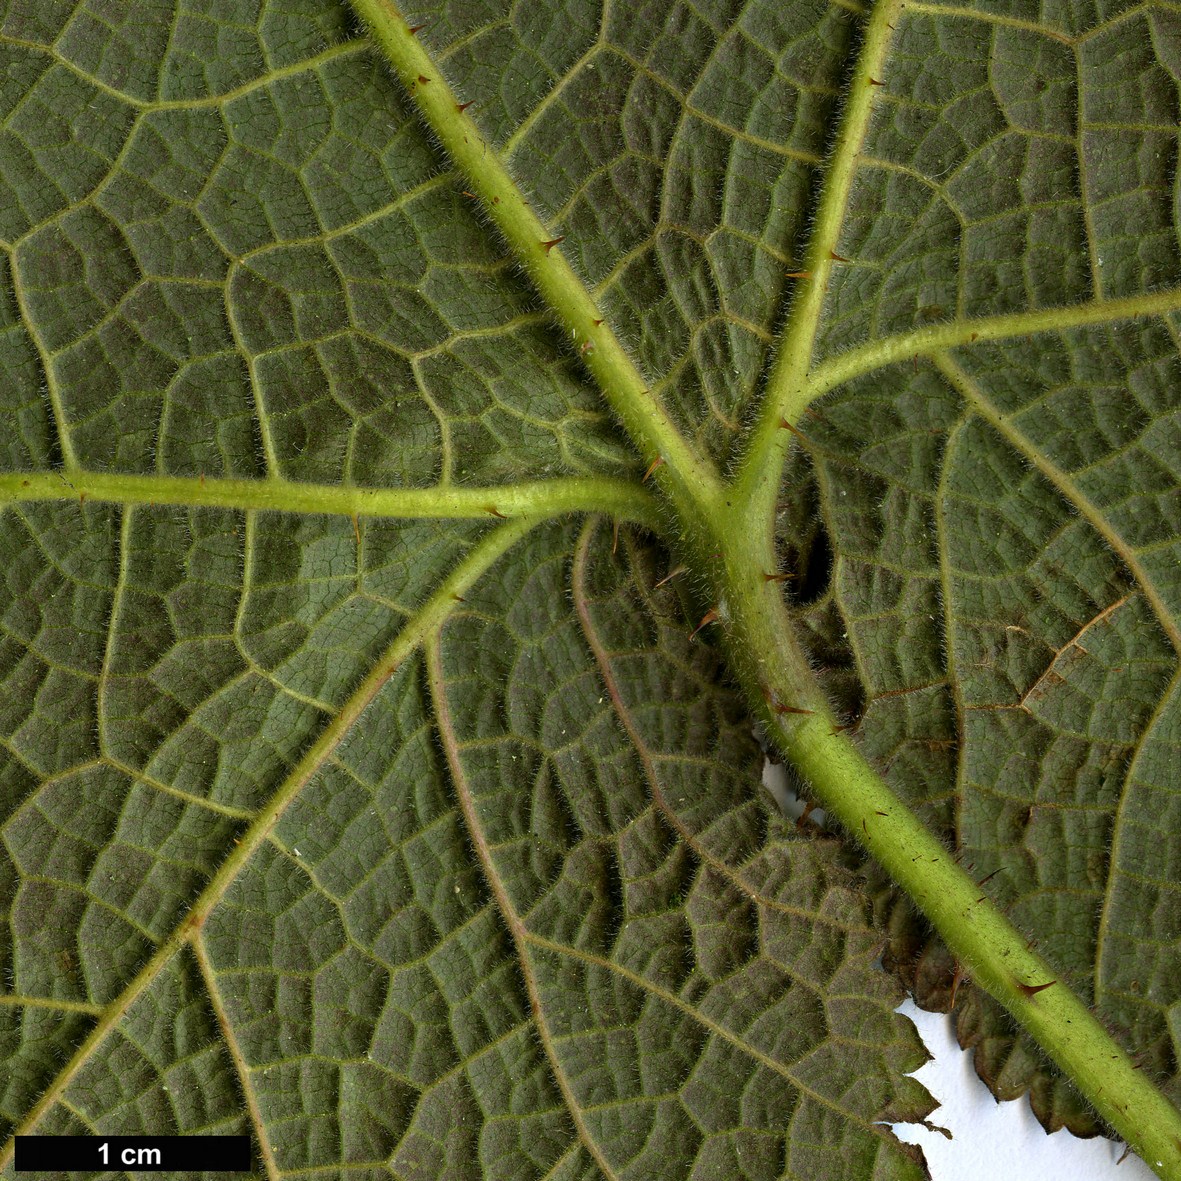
pixel 737 562
pixel 622 499
pixel 994 954
pixel 537 250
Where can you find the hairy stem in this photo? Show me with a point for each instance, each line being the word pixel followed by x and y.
pixel 623 499
pixel 937 338
pixel 726 531
pixel 537 249
pixel 996 956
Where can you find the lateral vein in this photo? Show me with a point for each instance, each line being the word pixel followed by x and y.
pixel 623 499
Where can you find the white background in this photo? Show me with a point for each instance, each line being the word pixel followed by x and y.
pixel 997 1141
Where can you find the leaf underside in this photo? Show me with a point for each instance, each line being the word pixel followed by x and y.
pixel 436 848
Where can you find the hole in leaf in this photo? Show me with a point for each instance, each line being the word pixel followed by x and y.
pixel 813 566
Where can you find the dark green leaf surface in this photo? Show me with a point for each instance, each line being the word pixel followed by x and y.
pixel 526 914
pixel 1007 516
pixel 435 848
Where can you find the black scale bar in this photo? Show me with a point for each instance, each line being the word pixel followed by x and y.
pixel 133 1154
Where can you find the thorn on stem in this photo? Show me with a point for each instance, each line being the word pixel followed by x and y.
pixel 777 577
pixel 423 79
pixel 670 576
pixel 798 274
pixel 875 82
pixel 548 246
pixel 652 467
pixel 836 257
pixel 784 425
pixel 805 815
pixel 709 617
pixel 412 29
pixel 1032 989
pixel 491 508
pixel 461 107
